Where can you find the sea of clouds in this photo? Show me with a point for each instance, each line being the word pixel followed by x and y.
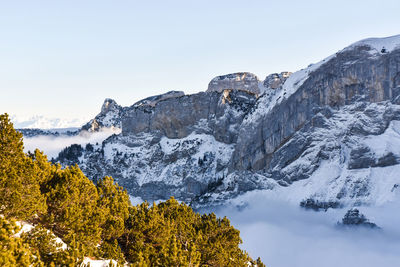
pixel 52 145
pixel 281 232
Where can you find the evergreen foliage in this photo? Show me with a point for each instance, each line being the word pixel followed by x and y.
pixel 48 249
pixel 13 251
pixel 72 207
pixel 71 153
pixel 98 220
pixel 20 194
pixel 171 234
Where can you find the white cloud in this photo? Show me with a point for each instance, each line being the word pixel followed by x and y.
pixel 283 234
pixel 52 145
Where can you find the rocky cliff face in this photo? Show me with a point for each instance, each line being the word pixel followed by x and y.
pixel 276 80
pixel 353 75
pixel 110 116
pixel 329 129
pixel 244 81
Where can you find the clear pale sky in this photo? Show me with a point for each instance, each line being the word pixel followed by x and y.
pixel 63 58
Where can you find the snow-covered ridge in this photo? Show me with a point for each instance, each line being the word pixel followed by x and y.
pixel 271 98
pixel 385 45
pixel 297 79
pixel 238 76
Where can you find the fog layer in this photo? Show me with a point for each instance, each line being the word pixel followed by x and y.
pixel 52 145
pixel 283 234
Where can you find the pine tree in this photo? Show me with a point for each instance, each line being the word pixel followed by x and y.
pixel 13 252
pixel 72 207
pixel 110 249
pixel 19 185
pixel 45 245
pixel 194 256
pixel 114 204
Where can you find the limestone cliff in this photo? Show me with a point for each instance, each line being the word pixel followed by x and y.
pixel 317 124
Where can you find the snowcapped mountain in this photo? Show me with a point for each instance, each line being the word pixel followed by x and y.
pixel 42 122
pixel 325 136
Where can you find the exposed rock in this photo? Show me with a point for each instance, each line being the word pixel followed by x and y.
pixel 348 77
pixel 362 157
pixel 388 160
pixel 275 80
pixel 178 117
pixel 244 81
pixel 110 116
pixel 153 100
pixel 353 217
pixel 317 205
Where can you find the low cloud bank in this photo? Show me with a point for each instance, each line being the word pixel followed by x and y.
pixel 52 145
pixel 283 234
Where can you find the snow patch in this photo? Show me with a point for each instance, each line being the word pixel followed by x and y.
pixel 389 44
pixel 97 263
pixel 25 228
pixel 203 143
pixel 387 142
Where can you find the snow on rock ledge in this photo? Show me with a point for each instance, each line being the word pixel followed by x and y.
pixel 380 45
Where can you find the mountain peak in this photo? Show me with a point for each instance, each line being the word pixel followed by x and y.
pixel 108 105
pixel 244 81
pixel 381 45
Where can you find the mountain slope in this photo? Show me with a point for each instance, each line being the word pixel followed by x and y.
pixel 330 129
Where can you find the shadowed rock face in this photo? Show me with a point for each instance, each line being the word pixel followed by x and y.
pixel 228 140
pixel 351 76
pixel 275 80
pixel 178 117
pixel 244 81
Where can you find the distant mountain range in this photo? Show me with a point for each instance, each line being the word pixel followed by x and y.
pixel 42 122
